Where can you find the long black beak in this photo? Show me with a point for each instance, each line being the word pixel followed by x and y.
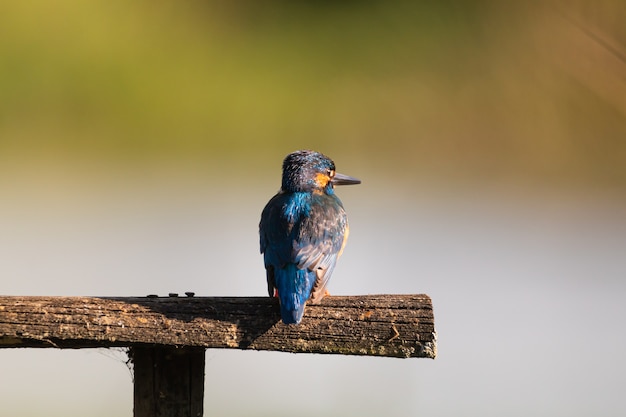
pixel 340 179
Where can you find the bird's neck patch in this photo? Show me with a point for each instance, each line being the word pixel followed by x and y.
pixel 322 180
pixel 298 205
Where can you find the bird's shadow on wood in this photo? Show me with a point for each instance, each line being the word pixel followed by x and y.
pixel 252 316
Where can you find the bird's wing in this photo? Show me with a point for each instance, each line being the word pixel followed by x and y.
pixel 321 238
pixel 276 232
pixel 275 243
pixel 313 241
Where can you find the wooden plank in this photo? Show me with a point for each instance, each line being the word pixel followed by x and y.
pixel 378 325
pixel 169 381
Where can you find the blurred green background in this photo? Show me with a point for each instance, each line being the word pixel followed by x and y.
pixel 140 140
pixel 453 89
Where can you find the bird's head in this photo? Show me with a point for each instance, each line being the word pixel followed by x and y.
pixel 311 171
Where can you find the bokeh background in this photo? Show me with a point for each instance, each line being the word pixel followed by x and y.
pixel 140 140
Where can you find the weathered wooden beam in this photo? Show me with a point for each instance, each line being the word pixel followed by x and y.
pixel 377 325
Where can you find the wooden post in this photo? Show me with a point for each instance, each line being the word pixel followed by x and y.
pixel 168 336
pixel 169 381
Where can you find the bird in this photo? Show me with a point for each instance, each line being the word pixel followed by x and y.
pixel 303 231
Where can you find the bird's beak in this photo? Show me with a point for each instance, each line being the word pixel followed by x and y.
pixel 340 179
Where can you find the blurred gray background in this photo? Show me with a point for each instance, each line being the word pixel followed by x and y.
pixel 140 141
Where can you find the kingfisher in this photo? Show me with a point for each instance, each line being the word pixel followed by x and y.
pixel 303 231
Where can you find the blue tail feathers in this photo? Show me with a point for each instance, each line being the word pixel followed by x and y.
pixel 294 288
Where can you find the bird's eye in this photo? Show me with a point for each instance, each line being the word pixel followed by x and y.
pixel 331 173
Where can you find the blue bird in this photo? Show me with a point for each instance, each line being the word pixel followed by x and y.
pixel 303 231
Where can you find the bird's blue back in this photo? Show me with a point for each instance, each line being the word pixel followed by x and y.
pixel 302 234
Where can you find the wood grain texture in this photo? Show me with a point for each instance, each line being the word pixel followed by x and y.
pixel 168 381
pixel 377 325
